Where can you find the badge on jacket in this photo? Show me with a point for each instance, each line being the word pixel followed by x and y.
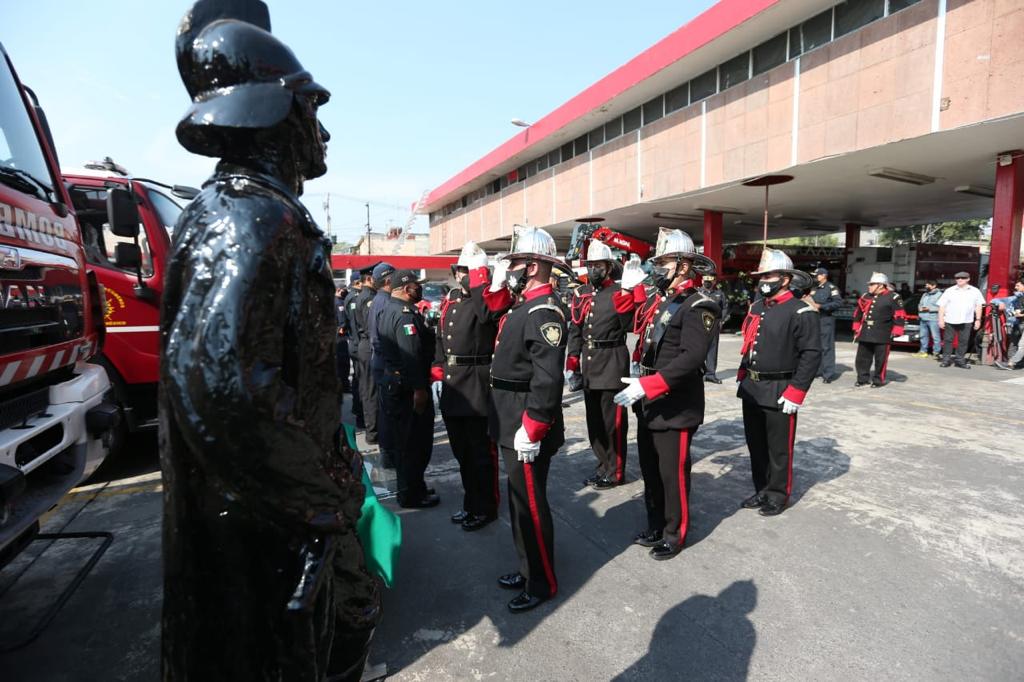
pixel 708 319
pixel 552 333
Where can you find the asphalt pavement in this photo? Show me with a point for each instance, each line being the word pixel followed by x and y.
pixel 901 556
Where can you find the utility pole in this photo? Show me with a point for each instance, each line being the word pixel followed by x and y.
pixel 368 249
pixel 327 211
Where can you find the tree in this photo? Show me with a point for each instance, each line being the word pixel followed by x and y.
pixel 342 247
pixel 934 233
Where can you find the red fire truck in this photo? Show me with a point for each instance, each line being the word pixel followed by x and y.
pixel 53 411
pixel 126 251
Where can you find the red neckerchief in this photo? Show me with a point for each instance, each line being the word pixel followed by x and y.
pixel 753 322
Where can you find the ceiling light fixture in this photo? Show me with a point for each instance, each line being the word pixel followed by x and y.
pixel 677 216
pixel 976 190
pixel 897 175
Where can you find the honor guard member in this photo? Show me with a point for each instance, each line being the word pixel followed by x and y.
pixel 462 363
pixel 826 300
pixel 382 273
pixel 779 359
pixel 671 387
pixel 359 314
pixel 344 365
pixel 601 316
pixel 709 287
pixel 406 350
pixel 352 338
pixel 879 317
pixel 526 407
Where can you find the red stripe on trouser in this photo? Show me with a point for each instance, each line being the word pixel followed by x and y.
pixel 494 468
pixel 684 507
pixel 620 456
pixel 789 465
pixel 885 364
pixel 549 571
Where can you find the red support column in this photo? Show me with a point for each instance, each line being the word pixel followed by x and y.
pixel 713 238
pixel 1007 213
pixel 852 242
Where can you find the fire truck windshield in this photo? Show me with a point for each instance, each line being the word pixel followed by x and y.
pixel 22 164
pixel 167 209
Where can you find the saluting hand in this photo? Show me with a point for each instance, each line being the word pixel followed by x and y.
pixel 632 273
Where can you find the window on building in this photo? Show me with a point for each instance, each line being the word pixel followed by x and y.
pixel 521 174
pixel 654 109
pixel 496 186
pixel 542 163
pixel 567 151
pixel 504 182
pixel 734 71
pixel 555 157
pixel 580 145
pixel 612 129
pixel 677 99
pixel 853 14
pixel 631 120
pixel 596 136
pixel 897 5
pixel 813 33
pixel 769 54
pixel 531 169
pixel 704 85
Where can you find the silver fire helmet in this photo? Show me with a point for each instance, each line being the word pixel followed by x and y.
pixel 773 260
pixel 533 243
pixel 878 278
pixel 471 256
pixel 598 251
pixel 679 244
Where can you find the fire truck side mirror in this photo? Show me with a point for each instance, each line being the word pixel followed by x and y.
pixel 122 213
pixel 128 256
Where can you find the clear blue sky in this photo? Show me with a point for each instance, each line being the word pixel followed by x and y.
pixel 419 89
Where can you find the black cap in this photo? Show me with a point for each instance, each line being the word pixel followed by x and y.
pixel 368 270
pixel 961 274
pixel 381 272
pixel 820 270
pixel 403 277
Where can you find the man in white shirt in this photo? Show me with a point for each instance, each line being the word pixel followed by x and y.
pixel 959 307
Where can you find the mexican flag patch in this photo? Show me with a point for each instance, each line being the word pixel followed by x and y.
pixel 409 329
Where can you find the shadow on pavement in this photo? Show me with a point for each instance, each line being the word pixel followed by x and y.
pixel 702 638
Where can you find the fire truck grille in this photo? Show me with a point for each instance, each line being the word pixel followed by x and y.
pixel 17 411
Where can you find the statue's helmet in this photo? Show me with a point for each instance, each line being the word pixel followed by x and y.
pixel 239 77
pixel 679 244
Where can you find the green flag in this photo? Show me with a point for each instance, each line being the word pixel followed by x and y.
pixel 379 529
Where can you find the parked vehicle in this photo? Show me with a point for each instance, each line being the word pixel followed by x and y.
pixel 54 414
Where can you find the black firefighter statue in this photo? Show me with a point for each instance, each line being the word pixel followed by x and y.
pixel 264 576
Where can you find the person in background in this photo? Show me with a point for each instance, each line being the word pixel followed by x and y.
pixel 928 319
pixel 878 319
pixel 341 356
pixel 352 338
pixel 825 298
pixel 358 317
pixel 709 287
pixel 905 291
pixel 959 310
pixel 1014 308
pixel 382 273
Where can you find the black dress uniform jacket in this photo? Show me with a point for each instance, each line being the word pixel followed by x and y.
pixel 792 344
pixel 597 335
pixel 530 353
pixel 359 310
pixel 878 318
pixel 462 357
pixel 673 349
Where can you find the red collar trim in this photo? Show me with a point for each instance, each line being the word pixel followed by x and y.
pixel 542 290
pixel 683 286
pixel 607 283
pixel 780 298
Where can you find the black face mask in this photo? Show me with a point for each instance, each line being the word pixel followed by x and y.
pixel 464 282
pixel 769 289
pixel 662 278
pixel 517 280
pixel 415 295
pixel 596 274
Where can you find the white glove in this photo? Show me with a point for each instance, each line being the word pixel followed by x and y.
pixel 631 393
pixel 525 448
pixel 437 393
pixel 634 369
pixel 632 273
pixel 788 406
pixel 500 275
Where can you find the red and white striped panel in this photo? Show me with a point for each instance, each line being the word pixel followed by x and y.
pixel 22 366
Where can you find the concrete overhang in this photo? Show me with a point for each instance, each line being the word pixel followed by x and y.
pixel 828 193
